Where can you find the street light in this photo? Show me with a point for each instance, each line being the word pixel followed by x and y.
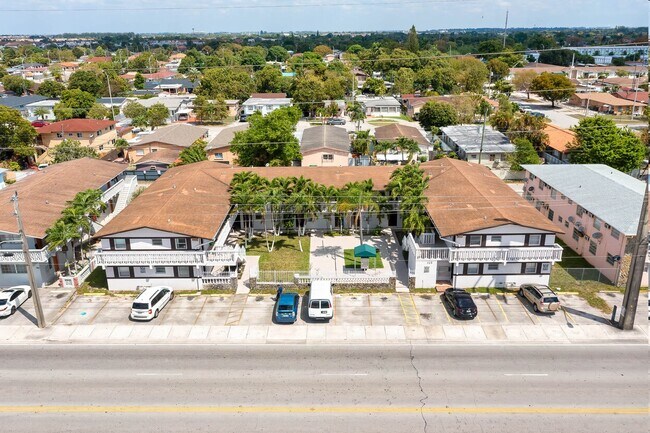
pixel 110 94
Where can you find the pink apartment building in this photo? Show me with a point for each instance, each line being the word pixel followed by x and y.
pixel 598 208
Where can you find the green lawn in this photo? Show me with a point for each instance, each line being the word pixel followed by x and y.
pixel 350 260
pixel 286 254
pixel 97 279
pixel 565 276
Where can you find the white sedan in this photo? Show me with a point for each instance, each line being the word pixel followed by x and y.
pixel 12 298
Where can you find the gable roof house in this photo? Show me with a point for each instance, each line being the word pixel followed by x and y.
pixel 393 132
pixel 218 148
pixel 325 145
pixel 42 197
pixel 177 137
pixel 606 103
pixel 380 105
pixel 557 151
pixel 99 135
pixel 470 144
pixel 187 210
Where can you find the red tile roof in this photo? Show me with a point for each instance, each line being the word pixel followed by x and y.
pixel 76 125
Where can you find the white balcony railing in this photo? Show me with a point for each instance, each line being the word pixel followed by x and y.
pixel 17 256
pixel 112 191
pixel 426 253
pixel 223 256
pixel 505 255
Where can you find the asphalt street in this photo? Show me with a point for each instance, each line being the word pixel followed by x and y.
pixel 284 388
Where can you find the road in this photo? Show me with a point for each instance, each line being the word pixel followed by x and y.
pixel 283 388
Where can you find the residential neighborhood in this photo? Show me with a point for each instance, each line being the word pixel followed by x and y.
pixel 432 228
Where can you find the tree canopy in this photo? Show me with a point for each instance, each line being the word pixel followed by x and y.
pixel 17 135
pixel 437 114
pixel 599 141
pixel 552 87
pixel 68 150
pixel 195 153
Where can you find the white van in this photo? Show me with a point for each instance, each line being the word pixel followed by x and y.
pixel 321 301
pixel 149 303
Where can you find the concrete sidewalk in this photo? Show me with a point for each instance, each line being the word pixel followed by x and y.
pixel 320 334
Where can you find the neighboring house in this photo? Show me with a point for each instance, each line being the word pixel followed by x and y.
pixel 176 137
pixel 99 59
pixel 325 145
pixel 175 104
pixel 47 104
pixel 265 103
pixel 380 105
pixel 606 103
pixel 115 101
pixel 598 208
pixel 177 231
pixel 233 107
pixel 162 74
pixel 171 85
pixel 558 140
pixel 360 77
pixel 394 131
pixel 632 95
pixel 97 134
pixel 470 144
pixel 219 147
pixel 158 161
pixel 42 197
pixel 20 103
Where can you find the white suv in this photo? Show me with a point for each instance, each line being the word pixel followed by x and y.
pixel 148 304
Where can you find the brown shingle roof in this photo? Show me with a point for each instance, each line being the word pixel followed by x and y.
pixel 166 156
pixel 194 200
pixel 76 125
pixel 179 134
pixel 225 137
pixel 465 197
pixel 607 99
pixel 395 130
pixel 43 195
pixel 323 137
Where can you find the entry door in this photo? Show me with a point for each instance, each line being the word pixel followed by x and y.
pixel 444 272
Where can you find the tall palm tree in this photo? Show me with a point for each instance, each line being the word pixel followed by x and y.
pixel 384 147
pixel 356 113
pixel 60 234
pixel 328 197
pixel 303 204
pixel 408 145
pixel 357 198
pixel 243 189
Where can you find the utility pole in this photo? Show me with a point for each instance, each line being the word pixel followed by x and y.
pixel 40 317
pixel 639 253
pixel 505 31
pixel 480 150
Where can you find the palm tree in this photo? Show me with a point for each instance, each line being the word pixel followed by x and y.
pixel 328 196
pixel 60 234
pixel 407 185
pixel 41 112
pixel 358 197
pixel 302 202
pixel 408 145
pixel 242 195
pixel 356 113
pixel 384 147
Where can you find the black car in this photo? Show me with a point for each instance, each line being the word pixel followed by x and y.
pixel 461 302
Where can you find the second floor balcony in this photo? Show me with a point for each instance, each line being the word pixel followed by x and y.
pixel 506 254
pixel 17 255
pixel 220 256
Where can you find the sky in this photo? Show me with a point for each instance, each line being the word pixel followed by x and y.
pixel 154 16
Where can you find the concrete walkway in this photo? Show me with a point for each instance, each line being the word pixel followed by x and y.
pixel 320 334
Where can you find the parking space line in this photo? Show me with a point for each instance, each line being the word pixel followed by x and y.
pixel 201 310
pixel 369 309
pixel 505 316
pixel 444 308
pixel 568 316
pixel 90 322
pixel 410 311
pixel 528 314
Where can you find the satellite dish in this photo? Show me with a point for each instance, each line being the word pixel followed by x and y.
pixel 571 219
pixel 597 235
pixel 531 188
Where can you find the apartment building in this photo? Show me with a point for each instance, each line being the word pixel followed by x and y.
pixel 598 208
pixel 42 197
pixel 99 135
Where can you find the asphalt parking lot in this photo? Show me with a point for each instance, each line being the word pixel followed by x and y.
pixel 363 309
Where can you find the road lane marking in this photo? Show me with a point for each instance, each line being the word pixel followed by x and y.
pixel 344 374
pixel 524 410
pixel 527 374
pixel 159 374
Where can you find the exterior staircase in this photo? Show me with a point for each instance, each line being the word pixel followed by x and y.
pixel 129 186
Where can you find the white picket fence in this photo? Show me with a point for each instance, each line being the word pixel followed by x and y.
pixel 349 276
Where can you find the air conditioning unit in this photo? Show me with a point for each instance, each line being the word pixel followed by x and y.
pixel 607 226
pixel 546 206
pixel 587 238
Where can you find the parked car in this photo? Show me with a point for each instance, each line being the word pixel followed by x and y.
pixel 461 302
pixel 544 299
pixel 39 123
pixel 286 308
pixel 12 298
pixel 336 121
pixel 148 304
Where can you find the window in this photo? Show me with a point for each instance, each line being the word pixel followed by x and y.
pixel 576 235
pixel 99 132
pixel 183 272
pixel 593 246
pixel 559 219
pixel 59 135
pixel 181 243
pixel 546 267
pixel 610 259
pixel 535 240
pixel 218 155
pixel 160 270
pixel 13 269
pixel 553 193
pixel 143 269
pixel 475 241
pixel 597 223
pixel 472 268
pixel 530 268
pixel 139 152
pixel 566 223
pixel 101 147
pixel 531 176
pixel 492 156
pixel 328 157
pixel 157 242
pixel 563 196
pixel 473 156
pixel 427 269
pixel 570 201
pixel 119 244
pixel 493 266
pixel 615 233
pixel 496 238
pixel 80 134
pixel 551 214
pixel 123 272
pixel 580 211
